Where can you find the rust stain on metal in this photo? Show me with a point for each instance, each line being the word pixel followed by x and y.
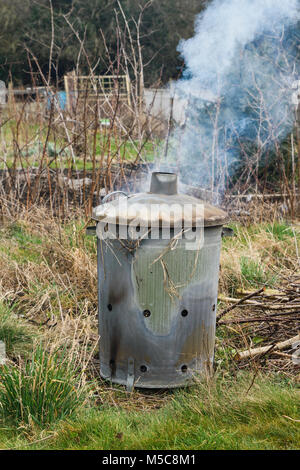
pixel 198 345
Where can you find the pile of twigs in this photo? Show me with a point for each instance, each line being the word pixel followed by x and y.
pixel 273 316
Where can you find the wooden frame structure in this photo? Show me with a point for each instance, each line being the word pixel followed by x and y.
pixel 98 87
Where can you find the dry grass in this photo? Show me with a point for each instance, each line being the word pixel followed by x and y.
pixel 49 281
pixel 48 271
pixel 259 254
pixel 48 288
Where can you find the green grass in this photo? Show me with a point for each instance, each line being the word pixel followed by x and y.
pixel 281 231
pixel 24 246
pixel 217 416
pixel 44 389
pixel 255 255
pixel 16 335
pixel 256 274
pixel 31 141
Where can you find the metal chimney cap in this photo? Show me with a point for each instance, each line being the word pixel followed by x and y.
pixel 163 183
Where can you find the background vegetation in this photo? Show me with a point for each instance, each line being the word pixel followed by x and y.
pixel 25 25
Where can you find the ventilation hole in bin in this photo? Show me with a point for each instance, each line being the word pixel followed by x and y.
pixel 109 307
pixel 214 307
pixel 146 313
pixel 143 369
pixel 184 369
pixel 184 313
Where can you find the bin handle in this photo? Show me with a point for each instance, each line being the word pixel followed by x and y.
pixel 104 200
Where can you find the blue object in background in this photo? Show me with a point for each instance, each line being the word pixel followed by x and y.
pixel 60 99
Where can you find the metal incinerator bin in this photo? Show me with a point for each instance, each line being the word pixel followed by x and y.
pixel 157 295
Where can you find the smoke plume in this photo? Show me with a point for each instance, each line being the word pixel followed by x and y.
pixel 240 70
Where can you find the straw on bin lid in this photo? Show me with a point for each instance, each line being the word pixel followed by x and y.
pixel 161 206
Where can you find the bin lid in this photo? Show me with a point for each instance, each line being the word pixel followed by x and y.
pixel 161 205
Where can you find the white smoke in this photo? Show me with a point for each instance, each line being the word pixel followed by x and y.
pixel 243 58
pixel 223 30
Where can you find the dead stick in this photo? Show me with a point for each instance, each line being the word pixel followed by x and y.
pixel 267 305
pixel 253 294
pixel 259 351
pixel 273 317
pixel 282 354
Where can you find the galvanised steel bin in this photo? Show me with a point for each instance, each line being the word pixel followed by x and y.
pixel 157 297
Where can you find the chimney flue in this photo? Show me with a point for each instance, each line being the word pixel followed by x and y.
pixel 163 183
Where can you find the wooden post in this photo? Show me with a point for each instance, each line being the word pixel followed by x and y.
pixel 128 88
pixel 66 80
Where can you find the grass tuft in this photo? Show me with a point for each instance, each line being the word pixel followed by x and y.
pixel 42 390
pixel 280 231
